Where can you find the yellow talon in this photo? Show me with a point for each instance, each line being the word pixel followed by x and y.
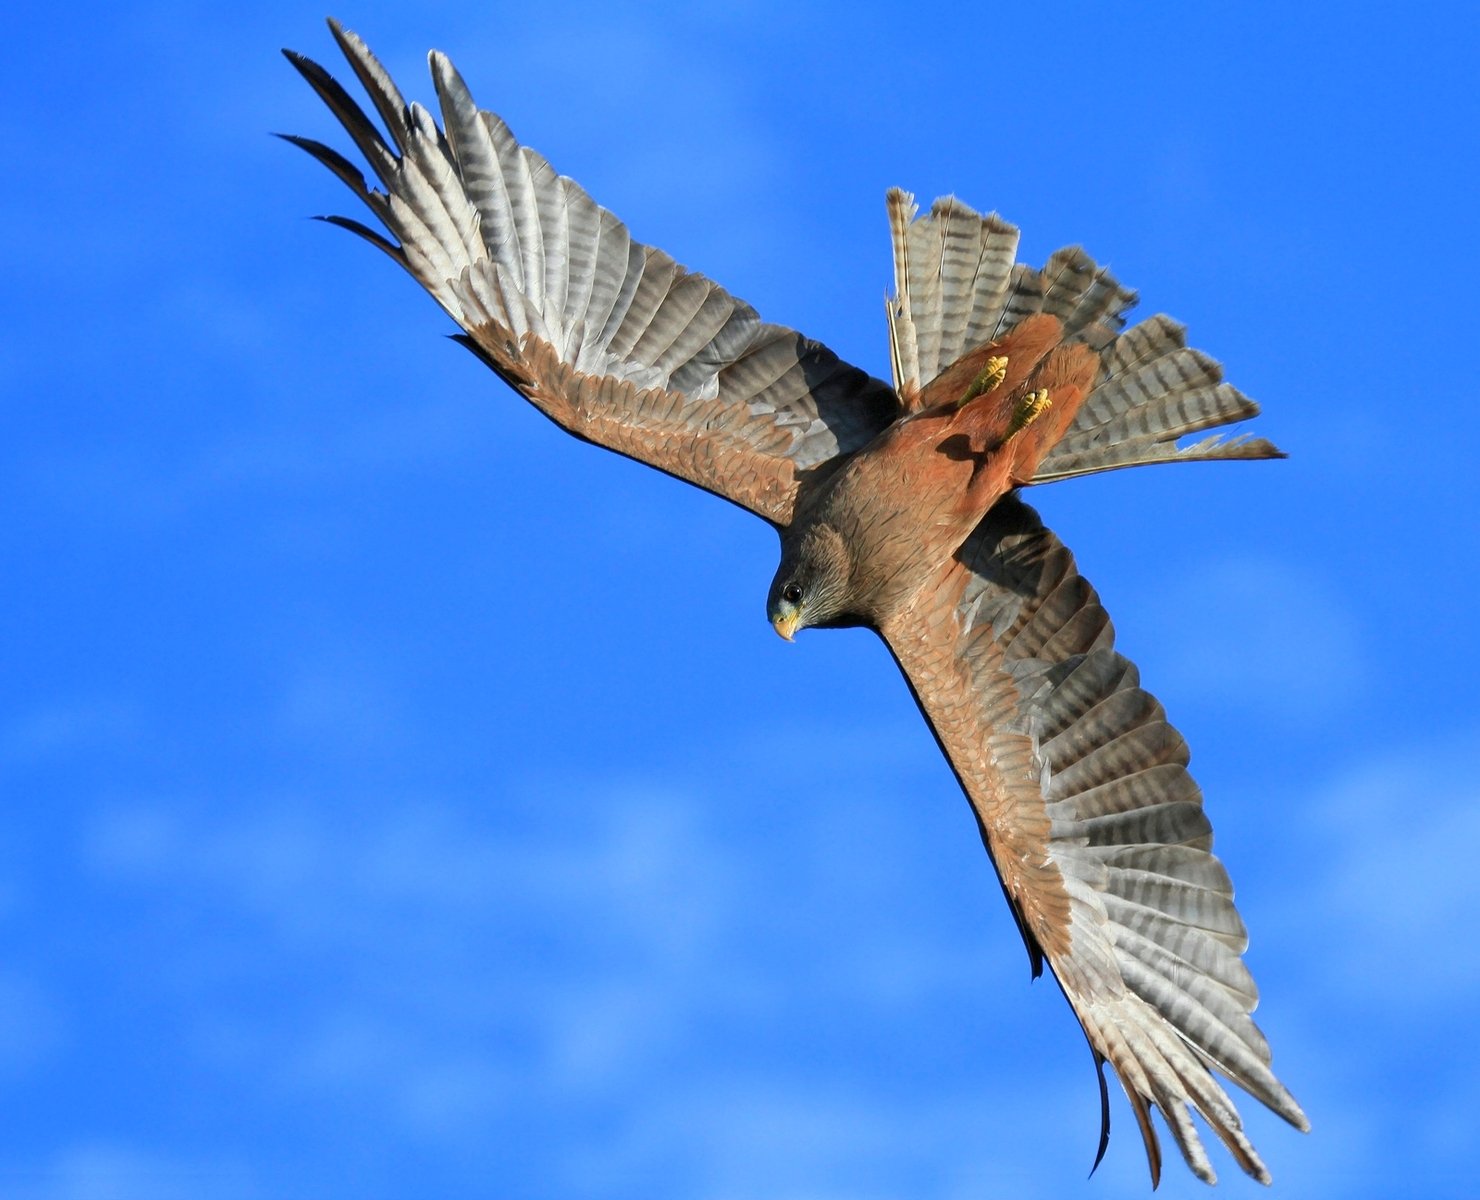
pixel 1029 409
pixel 989 380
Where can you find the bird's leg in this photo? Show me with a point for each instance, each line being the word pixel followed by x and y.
pixel 1029 409
pixel 1025 411
pixel 988 380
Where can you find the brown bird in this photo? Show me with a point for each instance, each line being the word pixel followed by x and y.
pixel 897 510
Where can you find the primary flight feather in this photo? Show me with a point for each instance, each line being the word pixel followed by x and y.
pixel 897 509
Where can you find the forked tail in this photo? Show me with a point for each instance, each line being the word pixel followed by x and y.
pixel 958 290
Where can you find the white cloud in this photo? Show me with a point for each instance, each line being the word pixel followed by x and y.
pixel 426 924
pixel 31 1025
pixel 67 727
pixel 441 973
pixel 1260 633
pixel 1371 935
pixel 1396 891
pixel 122 484
pixel 803 1135
pixel 342 703
pixel 111 1170
pixel 372 1056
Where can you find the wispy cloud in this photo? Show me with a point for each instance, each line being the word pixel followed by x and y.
pixel 1263 633
pixel 67 727
pixel 31 1024
pixel 1373 921
pixel 447 970
pixel 117 1170
pixel 1395 891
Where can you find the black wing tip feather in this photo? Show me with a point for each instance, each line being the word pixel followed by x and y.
pixel 307 67
pixel 304 65
pixel 346 109
pixel 357 125
pixel 379 241
pixel 1104 1143
pixel 346 171
pixel 471 345
pixel 318 77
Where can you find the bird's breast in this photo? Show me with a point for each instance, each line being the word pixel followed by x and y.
pixel 900 507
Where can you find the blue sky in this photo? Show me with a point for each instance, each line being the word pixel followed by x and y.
pixel 401 798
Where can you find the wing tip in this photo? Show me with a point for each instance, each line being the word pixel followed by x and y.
pixel 1104 1143
pixel 301 63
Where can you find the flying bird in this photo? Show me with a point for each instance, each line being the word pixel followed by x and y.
pixel 897 508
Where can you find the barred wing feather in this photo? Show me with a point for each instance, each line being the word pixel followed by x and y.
pixel 1081 791
pixel 609 337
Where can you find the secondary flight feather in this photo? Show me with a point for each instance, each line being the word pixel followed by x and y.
pixel 897 508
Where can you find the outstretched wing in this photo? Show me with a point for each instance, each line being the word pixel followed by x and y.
pixel 609 337
pixel 957 287
pixel 1081 790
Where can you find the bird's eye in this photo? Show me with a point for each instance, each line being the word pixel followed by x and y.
pixel 792 593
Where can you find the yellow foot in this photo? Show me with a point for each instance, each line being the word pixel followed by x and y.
pixel 1029 409
pixel 989 380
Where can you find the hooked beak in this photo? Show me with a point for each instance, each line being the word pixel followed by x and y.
pixel 786 626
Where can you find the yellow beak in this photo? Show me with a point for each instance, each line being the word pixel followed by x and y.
pixel 787 626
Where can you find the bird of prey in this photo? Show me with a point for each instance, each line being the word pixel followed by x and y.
pixel 897 509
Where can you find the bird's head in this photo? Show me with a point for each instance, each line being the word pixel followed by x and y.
pixel 811 584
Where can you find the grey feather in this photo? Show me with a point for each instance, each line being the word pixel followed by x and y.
pixel 513 250
pixel 1150 390
pixel 952 270
pixel 1154 968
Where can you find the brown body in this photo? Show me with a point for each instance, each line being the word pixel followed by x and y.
pixel 904 503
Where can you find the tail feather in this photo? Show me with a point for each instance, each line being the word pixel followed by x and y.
pixel 1152 390
pixel 953 278
pixel 1133 454
pixel 958 293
